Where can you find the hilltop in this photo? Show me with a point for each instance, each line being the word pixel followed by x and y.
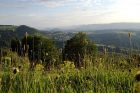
pixel 117 38
pixel 8 32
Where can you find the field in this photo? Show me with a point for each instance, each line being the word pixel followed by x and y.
pixel 105 74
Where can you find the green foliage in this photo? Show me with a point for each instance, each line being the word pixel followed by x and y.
pixel 67 67
pixel 85 81
pixel 7 33
pixel 77 47
pixel 5 83
pixel 105 76
pixel 104 73
pixel 41 49
pixel 16 45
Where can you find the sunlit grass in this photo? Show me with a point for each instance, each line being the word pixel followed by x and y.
pixel 102 74
pixel 68 79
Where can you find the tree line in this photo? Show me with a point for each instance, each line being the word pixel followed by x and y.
pixel 42 50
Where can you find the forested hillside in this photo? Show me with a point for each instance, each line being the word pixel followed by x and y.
pixel 117 39
pixel 9 32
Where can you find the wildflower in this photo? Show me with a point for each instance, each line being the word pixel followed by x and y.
pixel 70 81
pixel 129 34
pixel 57 77
pixel 15 70
pixel 130 70
pixel 47 54
pixel 137 76
pixel 19 67
pixel 121 64
pixel 138 65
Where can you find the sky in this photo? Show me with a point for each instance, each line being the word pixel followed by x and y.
pixel 60 13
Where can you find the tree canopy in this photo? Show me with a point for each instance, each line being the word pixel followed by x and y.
pixel 77 47
pixel 39 50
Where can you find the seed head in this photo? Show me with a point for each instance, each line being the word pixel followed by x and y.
pixel 15 70
pixel 130 70
pixel 137 76
pixel 129 34
pixel 26 35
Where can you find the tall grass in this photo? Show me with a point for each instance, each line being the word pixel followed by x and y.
pixel 68 79
pixel 103 74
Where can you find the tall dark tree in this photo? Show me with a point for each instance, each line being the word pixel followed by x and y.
pixel 77 47
pixel 16 45
pixel 41 49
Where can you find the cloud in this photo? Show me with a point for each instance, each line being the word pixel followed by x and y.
pixel 55 3
pixel 77 3
pixel 53 13
pixel 15 4
pixel 85 4
pixel 10 5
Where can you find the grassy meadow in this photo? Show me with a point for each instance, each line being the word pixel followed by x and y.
pixel 35 65
pixel 108 73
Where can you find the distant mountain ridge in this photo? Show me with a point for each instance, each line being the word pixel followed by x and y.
pixel 112 37
pixel 94 27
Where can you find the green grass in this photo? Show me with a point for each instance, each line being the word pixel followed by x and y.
pixel 102 76
pixel 79 81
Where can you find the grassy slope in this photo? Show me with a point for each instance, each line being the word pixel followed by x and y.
pixel 106 74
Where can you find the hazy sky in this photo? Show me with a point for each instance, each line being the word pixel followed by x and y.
pixel 55 13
